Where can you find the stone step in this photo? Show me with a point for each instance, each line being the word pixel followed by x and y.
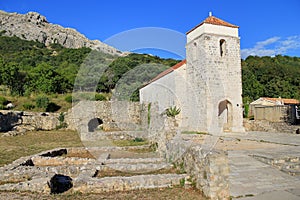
pixel 117 135
pixel 140 167
pixel 109 184
pixel 136 165
pixel 133 160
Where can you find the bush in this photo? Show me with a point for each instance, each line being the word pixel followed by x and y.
pixel 42 102
pixel 62 123
pixel 100 97
pixel 3 101
pixel 246 110
pixel 138 139
pixel 69 98
pixel 28 106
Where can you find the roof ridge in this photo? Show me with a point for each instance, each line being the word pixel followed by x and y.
pixel 215 21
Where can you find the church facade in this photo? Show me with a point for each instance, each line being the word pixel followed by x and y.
pixel 207 85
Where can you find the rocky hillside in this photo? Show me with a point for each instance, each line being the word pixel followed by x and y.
pixel 34 26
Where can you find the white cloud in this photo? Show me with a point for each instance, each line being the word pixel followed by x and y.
pixel 272 46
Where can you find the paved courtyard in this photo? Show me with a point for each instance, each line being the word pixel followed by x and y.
pixel 263 165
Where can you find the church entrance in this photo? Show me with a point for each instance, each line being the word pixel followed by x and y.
pixel 225 115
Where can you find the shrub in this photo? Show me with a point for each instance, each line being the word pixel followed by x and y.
pixel 172 111
pixel 69 98
pixel 62 123
pixel 138 139
pixel 28 106
pixel 100 97
pixel 42 102
pixel 246 110
pixel 3 101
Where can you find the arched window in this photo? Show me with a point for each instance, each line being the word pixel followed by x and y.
pixel 222 47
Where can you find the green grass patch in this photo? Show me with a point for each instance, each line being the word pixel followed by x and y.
pixel 29 103
pixel 194 132
pixel 134 142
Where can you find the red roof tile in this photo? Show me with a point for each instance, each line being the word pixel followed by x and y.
pixel 285 101
pixel 215 21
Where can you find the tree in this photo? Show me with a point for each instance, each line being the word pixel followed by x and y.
pixel 13 78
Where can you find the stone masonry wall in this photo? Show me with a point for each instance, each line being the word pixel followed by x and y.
pixel 115 115
pixel 208 169
pixel 16 122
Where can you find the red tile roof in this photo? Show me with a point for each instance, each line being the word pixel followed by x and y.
pixel 285 101
pixel 164 73
pixel 215 21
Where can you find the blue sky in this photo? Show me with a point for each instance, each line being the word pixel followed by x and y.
pixel 267 27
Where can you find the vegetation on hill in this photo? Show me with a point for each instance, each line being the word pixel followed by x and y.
pixel 277 76
pixel 29 68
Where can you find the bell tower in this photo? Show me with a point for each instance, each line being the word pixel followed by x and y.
pixel 214 77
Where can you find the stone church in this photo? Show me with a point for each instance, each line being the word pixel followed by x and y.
pixel 207 85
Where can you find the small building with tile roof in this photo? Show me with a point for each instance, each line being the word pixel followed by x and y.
pixel 268 101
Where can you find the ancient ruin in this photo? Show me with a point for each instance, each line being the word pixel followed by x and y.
pixel 195 148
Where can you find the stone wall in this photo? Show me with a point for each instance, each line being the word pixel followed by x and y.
pixel 208 169
pixel 16 122
pixel 267 126
pixel 114 115
pixel 271 113
pixel 8 120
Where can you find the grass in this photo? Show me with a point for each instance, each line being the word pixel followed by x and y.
pixel 113 172
pixel 12 148
pixel 194 132
pixel 126 143
pixel 176 193
pixel 58 99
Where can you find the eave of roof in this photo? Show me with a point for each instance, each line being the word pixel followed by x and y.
pixel 166 72
pixel 215 21
pixel 285 101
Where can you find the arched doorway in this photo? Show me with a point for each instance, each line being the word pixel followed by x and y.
pixel 225 115
pixel 94 123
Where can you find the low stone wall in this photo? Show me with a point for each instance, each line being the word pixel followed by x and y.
pixel 9 119
pixel 16 122
pixel 267 126
pixel 209 169
pixel 41 121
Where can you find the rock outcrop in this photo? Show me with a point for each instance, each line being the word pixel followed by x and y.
pixel 34 26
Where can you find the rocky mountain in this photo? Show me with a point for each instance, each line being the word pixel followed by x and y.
pixel 34 26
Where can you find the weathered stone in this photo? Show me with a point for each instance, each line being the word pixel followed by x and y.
pixel 34 26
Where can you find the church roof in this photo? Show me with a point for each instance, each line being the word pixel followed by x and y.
pixel 168 71
pixel 215 21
